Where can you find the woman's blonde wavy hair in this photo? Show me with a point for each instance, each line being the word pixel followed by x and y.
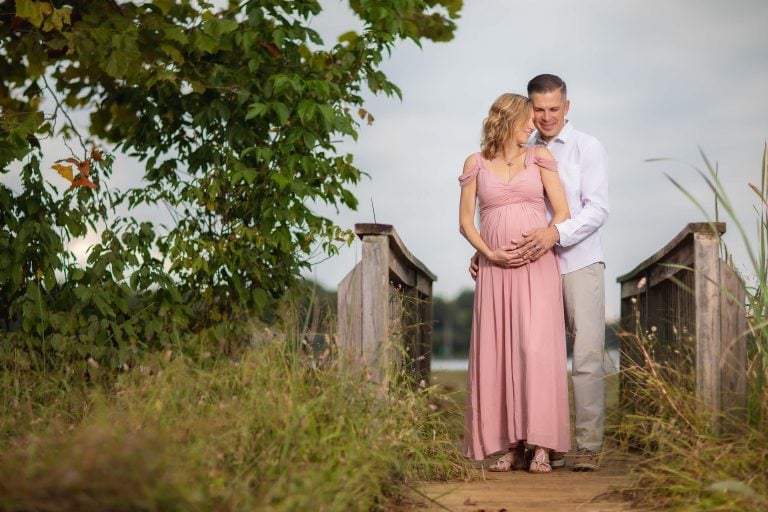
pixel 508 111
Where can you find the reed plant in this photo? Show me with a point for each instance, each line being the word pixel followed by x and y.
pixel 688 467
pixel 271 428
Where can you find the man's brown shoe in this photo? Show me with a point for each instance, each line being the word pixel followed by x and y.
pixel 556 459
pixel 586 460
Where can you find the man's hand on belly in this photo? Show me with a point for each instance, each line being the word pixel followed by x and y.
pixel 537 242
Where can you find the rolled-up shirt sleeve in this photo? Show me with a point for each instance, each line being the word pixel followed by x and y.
pixel 594 209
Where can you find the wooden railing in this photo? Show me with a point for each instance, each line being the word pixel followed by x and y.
pixel 689 306
pixel 385 307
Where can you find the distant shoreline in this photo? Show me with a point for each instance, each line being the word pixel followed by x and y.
pixel 460 364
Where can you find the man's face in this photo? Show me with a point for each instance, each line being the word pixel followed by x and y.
pixel 549 112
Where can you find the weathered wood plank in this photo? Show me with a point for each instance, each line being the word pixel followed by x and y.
pixel 688 231
pixel 397 245
pixel 734 330
pixel 400 269
pixel 350 313
pixel 680 256
pixel 708 343
pixel 375 296
pixel 634 286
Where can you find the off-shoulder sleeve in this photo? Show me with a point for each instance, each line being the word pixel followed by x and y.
pixel 470 174
pixel 532 157
pixel 547 163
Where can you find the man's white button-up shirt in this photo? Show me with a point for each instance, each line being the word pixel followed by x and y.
pixel 583 166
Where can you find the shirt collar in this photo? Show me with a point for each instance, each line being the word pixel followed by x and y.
pixel 560 137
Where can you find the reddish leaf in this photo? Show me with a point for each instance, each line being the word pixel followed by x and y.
pixel 85 167
pixel 83 181
pixel 272 49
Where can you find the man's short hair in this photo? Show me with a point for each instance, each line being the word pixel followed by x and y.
pixel 547 83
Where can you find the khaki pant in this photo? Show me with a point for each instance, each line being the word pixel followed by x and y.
pixel 584 302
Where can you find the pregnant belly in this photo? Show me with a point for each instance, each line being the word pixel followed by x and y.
pixel 502 227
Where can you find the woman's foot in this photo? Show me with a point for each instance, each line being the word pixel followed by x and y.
pixel 512 460
pixel 540 461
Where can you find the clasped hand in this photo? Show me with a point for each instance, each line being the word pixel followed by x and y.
pixel 506 256
pixel 518 253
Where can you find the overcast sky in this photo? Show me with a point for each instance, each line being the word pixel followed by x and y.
pixel 647 78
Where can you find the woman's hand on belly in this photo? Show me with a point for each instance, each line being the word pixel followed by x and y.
pixel 507 256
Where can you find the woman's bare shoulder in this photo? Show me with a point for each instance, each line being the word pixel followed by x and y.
pixel 471 162
pixel 542 152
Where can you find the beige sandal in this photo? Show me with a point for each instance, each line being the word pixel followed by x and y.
pixel 510 461
pixel 540 462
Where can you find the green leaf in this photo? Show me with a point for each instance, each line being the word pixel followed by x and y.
pixel 164 5
pixel 58 19
pixel 281 180
pixel 49 280
pixel 328 114
pixel 306 110
pixel 260 298
pixel 250 175
pixel 281 110
pixel 34 12
pixel 256 110
pixel 216 27
pixel 350 38
pixel 204 42
pixel 58 342
pixel 176 33
pixel 83 294
pixel 173 53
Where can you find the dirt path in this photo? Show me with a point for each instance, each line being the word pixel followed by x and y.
pixel 563 490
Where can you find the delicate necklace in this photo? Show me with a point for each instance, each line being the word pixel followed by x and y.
pixel 509 164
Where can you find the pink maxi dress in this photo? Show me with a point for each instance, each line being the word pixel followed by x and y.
pixel 517 381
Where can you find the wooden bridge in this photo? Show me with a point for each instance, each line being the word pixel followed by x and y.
pixel 385 314
pixel 519 491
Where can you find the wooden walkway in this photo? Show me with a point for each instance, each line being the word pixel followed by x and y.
pixel 563 490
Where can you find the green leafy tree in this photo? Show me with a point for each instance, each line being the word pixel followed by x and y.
pixel 453 325
pixel 233 111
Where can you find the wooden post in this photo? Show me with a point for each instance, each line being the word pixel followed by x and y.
pixel 385 307
pixel 375 303
pixel 686 289
pixel 708 332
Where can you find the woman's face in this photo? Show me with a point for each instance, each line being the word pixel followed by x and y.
pixel 522 132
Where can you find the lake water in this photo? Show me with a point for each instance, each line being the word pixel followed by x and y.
pixel 611 363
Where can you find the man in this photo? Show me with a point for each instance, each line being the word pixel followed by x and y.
pixel 582 163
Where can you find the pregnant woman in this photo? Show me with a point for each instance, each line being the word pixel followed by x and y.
pixel 517 382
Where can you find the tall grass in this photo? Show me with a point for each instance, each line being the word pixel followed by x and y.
pixel 268 429
pixel 688 468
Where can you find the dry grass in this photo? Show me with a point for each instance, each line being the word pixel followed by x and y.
pixel 685 466
pixel 268 430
